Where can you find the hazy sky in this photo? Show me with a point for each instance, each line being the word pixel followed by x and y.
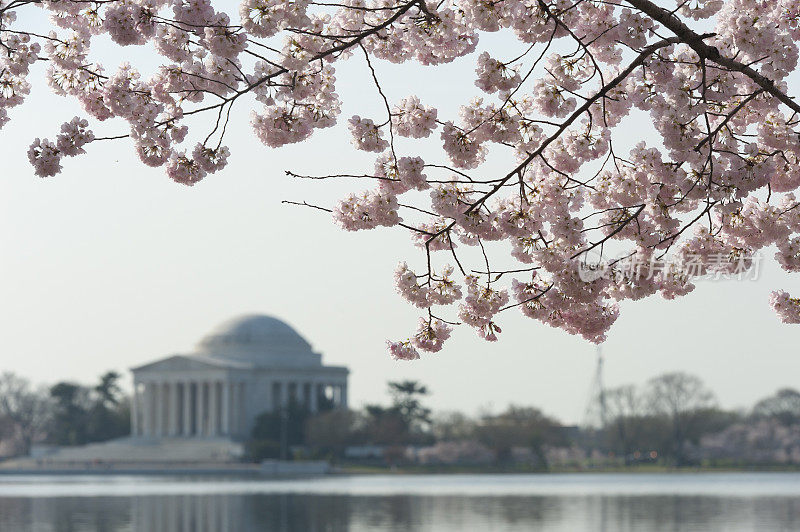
pixel 110 265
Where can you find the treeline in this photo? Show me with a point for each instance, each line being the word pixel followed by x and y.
pixel 63 414
pixel 673 419
pixel 677 417
pixel 386 432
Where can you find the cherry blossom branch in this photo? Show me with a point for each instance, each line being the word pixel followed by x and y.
pixel 695 41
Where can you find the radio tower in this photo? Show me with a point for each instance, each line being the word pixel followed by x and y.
pixel 595 414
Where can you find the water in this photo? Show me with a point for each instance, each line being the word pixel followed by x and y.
pixel 729 502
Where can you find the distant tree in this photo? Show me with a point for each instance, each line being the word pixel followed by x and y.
pixel 6 428
pixel 274 431
pixel 384 426
pixel 8 443
pixel 453 426
pixel 406 399
pixel 625 419
pixel 328 433
pixel 682 399
pixel 784 406
pixel 710 420
pixel 84 414
pixel 108 390
pixel 405 421
pixel 24 412
pixel 71 414
pixel 109 415
pixel 519 427
pixel 325 403
pixel 654 433
pixel 260 450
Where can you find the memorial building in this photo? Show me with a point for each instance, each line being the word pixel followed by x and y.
pixel 246 366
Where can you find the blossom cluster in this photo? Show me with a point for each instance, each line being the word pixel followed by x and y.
pixel 787 307
pixel 480 306
pixel 717 181
pixel 412 119
pixel 45 156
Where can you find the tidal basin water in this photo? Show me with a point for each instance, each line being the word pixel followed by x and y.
pixel 768 502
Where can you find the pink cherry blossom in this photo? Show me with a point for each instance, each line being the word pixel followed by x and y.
pixel 408 286
pixel 431 335
pixel 366 135
pixel 529 177
pixel 787 307
pixel 45 158
pixel 412 119
pixel 74 135
pixel 402 350
pixel 367 211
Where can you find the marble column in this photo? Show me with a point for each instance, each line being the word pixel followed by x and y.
pixel 158 400
pixel 147 403
pixel 213 409
pixel 241 408
pixel 234 421
pixel 135 410
pixel 187 409
pixel 343 398
pixel 163 395
pixel 226 408
pixel 314 395
pixel 201 409
pixel 243 413
pixel 167 398
pixel 164 404
pixel 174 409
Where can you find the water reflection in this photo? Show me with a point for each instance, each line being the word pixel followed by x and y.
pixel 312 513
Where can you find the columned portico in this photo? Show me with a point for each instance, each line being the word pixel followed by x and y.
pixel 248 366
pixel 214 407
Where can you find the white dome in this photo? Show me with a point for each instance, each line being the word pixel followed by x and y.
pixel 258 339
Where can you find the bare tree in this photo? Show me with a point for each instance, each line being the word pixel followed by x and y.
pixel 784 406
pixel 625 411
pixel 681 398
pixel 520 427
pixel 451 426
pixel 26 410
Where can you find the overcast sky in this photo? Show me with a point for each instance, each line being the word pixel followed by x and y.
pixel 110 265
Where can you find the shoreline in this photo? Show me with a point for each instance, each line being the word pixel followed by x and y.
pixel 257 471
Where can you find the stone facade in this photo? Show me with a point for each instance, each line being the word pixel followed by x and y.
pixel 247 366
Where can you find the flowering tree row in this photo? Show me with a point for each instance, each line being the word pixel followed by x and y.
pixel 712 75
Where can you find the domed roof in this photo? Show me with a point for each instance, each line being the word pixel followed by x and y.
pixel 262 340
